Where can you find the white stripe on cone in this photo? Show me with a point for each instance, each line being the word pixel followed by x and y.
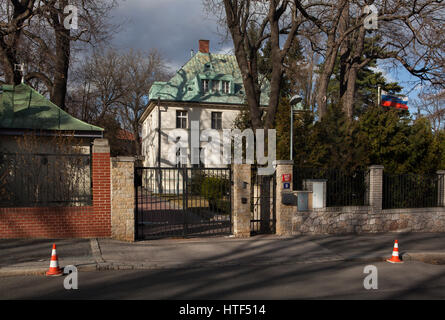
pixel 53 264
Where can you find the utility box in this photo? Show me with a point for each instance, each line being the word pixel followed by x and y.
pixel 318 188
pixel 304 200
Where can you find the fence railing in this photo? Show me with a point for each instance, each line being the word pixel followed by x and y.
pixel 412 191
pixel 262 206
pixel 342 188
pixel 45 180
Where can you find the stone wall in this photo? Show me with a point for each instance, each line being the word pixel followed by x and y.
pixel 123 199
pixel 371 219
pixel 343 220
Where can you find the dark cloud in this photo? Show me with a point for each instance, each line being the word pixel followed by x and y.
pixel 172 26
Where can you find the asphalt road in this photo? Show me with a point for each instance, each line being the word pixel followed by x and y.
pixel 326 280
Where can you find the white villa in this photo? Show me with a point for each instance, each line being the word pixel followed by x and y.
pixel 208 89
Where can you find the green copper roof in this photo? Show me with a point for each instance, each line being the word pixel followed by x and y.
pixel 186 85
pixel 21 107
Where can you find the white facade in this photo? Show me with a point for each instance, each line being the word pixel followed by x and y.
pixel 199 112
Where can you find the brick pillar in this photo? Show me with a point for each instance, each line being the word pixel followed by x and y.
pixel 441 188
pixel 123 199
pixel 284 213
pixel 101 188
pixel 241 200
pixel 376 187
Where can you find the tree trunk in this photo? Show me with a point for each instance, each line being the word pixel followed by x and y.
pixel 252 97
pixel 137 145
pixel 347 99
pixel 309 98
pixel 352 65
pixel 332 47
pixel 9 59
pixel 62 63
pixel 10 36
pixel 277 68
pixel 325 75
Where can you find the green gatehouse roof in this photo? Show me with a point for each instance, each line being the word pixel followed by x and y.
pixel 185 85
pixel 22 107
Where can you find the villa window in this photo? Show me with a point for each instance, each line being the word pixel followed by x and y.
pixel 226 86
pixel 215 85
pixel 205 85
pixel 181 119
pixel 217 120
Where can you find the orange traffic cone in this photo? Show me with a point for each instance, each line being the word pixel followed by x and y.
pixel 54 269
pixel 395 254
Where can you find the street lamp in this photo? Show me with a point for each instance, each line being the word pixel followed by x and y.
pixel 295 106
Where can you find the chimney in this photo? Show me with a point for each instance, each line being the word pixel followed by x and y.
pixel 204 46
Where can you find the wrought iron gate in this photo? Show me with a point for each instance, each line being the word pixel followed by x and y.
pixel 263 197
pixel 182 202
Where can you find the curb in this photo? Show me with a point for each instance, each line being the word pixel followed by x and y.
pixel 22 271
pixel 95 250
pixel 39 271
pixel 435 258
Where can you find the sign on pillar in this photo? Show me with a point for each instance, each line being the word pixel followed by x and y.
pixel 286 179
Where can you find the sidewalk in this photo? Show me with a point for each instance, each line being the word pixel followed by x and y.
pixel 25 257
pixel 32 256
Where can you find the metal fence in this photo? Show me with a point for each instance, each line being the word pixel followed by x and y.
pixel 184 202
pixel 45 180
pixel 263 203
pixel 342 188
pixel 411 191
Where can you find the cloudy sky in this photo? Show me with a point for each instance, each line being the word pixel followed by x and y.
pixel 172 26
pixel 175 26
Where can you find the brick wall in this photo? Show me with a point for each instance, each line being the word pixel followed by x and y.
pixel 67 222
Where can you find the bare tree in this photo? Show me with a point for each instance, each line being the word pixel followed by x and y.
pixel 38 33
pixel 432 104
pixel 14 15
pixel 250 24
pixel 409 34
pixel 92 28
pixel 140 70
pixel 116 85
pixel 99 86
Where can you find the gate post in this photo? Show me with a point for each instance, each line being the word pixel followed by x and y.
pixel 441 188
pixel 376 188
pixel 123 199
pixel 241 200
pixel 100 224
pixel 284 212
